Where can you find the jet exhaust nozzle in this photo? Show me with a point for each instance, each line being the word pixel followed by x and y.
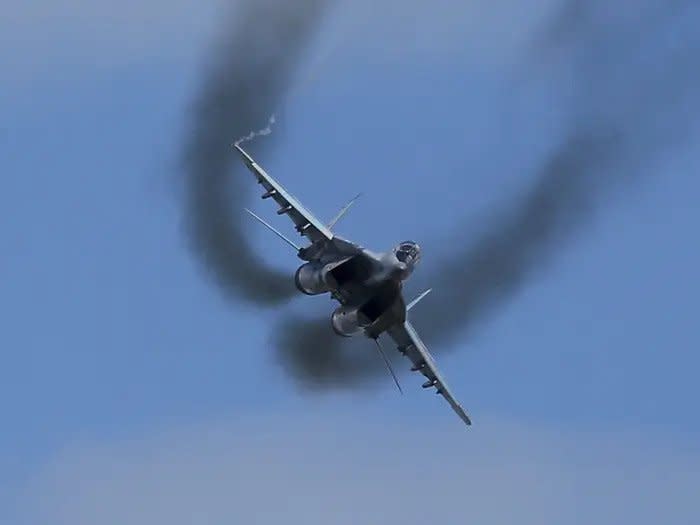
pixel 346 322
pixel 310 279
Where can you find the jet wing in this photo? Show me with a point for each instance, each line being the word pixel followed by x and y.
pixel 410 345
pixel 305 222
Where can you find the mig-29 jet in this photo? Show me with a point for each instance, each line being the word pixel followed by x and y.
pixel 367 285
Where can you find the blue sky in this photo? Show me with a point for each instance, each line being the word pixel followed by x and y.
pixel 133 390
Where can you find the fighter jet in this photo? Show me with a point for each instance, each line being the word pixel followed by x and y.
pixel 367 285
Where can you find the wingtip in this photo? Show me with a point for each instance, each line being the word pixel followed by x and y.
pixel 246 158
pixel 467 420
pixel 466 417
pixel 463 415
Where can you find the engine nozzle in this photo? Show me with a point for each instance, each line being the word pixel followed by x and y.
pixel 310 279
pixel 346 322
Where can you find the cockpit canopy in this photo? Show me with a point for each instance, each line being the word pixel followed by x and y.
pixel 408 252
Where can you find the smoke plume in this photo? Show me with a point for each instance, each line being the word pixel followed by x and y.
pixel 267 130
pixel 247 75
pixel 311 352
pixel 521 238
pixel 637 91
pixel 632 103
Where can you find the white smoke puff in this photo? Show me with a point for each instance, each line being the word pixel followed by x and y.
pixel 267 130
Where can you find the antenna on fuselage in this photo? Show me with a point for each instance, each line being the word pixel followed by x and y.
pixel 418 299
pixel 343 211
pixel 273 230
pixel 388 364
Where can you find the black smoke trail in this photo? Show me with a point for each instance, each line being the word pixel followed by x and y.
pixel 637 89
pixel 636 97
pixel 246 78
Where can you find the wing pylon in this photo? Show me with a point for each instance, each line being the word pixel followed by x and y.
pixel 306 223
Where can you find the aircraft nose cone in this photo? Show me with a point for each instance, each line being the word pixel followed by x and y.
pixel 400 270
